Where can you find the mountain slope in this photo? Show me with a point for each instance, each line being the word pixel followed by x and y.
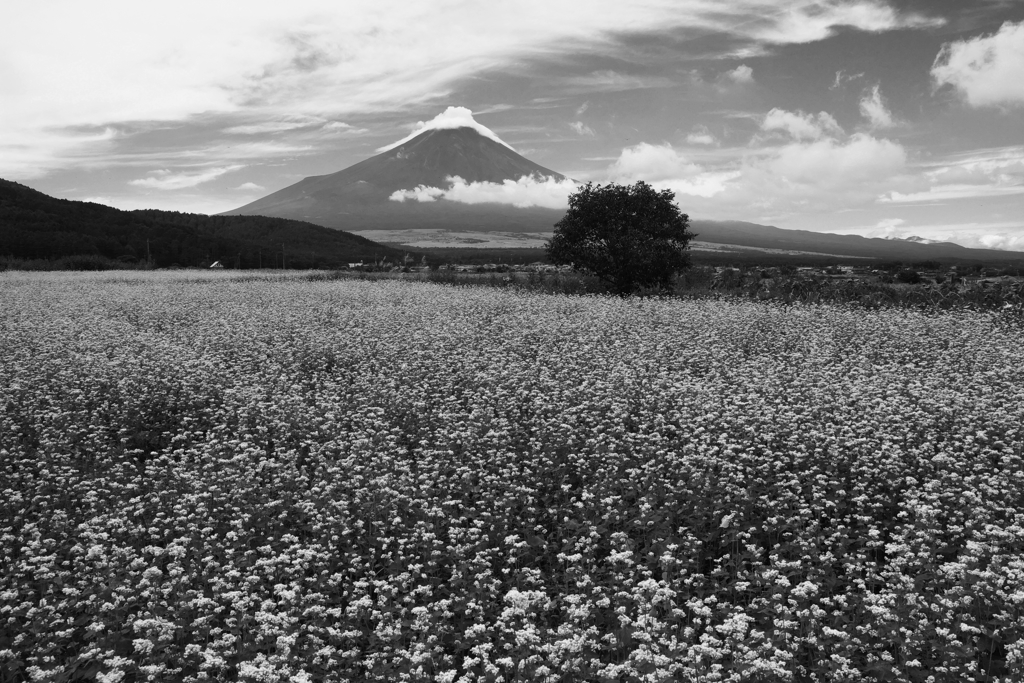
pixel 357 198
pixel 769 237
pixel 34 225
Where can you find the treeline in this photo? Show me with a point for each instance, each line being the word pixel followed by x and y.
pixel 36 228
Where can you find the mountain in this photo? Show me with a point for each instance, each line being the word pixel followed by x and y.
pixel 358 197
pixel 915 238
pixel 34 225
pixel 769 237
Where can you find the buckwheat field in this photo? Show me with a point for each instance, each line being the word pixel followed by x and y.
pixel 227 477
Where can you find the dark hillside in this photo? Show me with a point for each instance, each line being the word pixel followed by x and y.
pixel 34 225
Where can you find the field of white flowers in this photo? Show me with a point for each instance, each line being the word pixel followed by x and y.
pixel 221 477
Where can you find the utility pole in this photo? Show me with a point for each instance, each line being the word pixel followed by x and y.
pixel 283 263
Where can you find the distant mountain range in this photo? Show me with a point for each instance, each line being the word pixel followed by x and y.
pixel 915 238
pixel 359 199
pixel 36 226
pixel 769 237
pixel 309 224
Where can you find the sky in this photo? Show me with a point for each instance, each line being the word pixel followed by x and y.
pixel 874 117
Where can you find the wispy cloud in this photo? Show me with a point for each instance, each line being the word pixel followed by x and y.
pixel 341 128
pixel 990 173
pixel 581 128
pixel 273 64
pixel 276 126
pixel 811 21
pixel 842 77
pixel 613 81
pixel 872 107
pixel 222 153
pixel 944 193
pixel 167 180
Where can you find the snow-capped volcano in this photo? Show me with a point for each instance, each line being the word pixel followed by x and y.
pixel 405 186
pixel 450 119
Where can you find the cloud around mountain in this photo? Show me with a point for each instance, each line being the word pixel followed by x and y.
pixel 527 191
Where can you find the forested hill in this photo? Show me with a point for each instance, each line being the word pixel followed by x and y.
pixel 34 225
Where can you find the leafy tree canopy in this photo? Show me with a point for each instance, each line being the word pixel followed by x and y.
pixel 630 236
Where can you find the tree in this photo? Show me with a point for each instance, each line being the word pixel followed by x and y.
pixel 630 236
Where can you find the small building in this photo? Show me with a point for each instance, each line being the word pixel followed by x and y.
pixel 216 264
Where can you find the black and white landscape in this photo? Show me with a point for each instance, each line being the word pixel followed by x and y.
pixel 647 341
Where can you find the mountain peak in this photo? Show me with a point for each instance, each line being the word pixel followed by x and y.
pixel 450 119
pixel 914 238
pixel 452 145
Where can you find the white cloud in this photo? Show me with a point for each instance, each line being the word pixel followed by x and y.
pixel 251 187
pixel 1003 235
pixel 525 192
pixel 701 139
pixel 25 155
pixel 420 193
pixel 581 128
pixel 861 160
pixel 821 176
pixel 812 172
pixel 943 193
pixel 994 172
pixel 277 126
pixel 844 78
pixel 872 107
pixel 705 184
pixel 166 180
pixel 651 163
pixel 986 70
pixel 800 125
pixel 701 136
pixel 450 118
pixel 263 62
pixel 665 169
pixel 742 74
pixel 889 225
pixel 807 22
pixel 197 156
pixel 340 128
pixel 613 81
pixel 1002 241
